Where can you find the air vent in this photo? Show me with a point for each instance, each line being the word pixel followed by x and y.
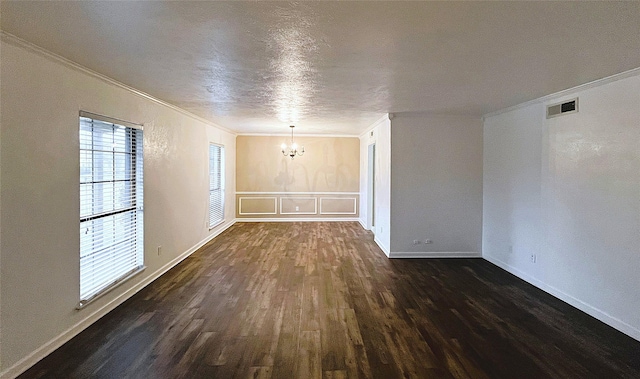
pixel 560 109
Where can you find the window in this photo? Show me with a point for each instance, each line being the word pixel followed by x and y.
pixel 111 222
pixel 216 184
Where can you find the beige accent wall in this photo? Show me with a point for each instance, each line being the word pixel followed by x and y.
pixel 329 164
pixel 323 183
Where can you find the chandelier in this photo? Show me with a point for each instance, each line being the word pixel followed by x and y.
pixel 292 150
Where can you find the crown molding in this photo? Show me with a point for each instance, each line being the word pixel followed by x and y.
pixel 21 43
pixel 582 87
pixel 386 117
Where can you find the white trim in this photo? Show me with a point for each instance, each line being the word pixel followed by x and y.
pixel 435 254
pixel 301 219
pixel 211 227
pixel 577 303
pixel 83 303
pixel 50 346
pixel 379 121
pixel 355 206
pixel 296 193
pixel 299 135
pixel 17 41
pixel 381 246
pixel 111 120
pixel 315 206
pixel 275 206
pixel 614 322
pixel 361 221
pixel 568 91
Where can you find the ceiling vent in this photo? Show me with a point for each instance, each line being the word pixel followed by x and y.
pixel 555 110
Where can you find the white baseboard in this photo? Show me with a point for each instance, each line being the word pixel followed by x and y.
pixel 381 246
pixel 435 254
pixel 301 219
pixel 362 223
pixel 46 349
pixel 575 302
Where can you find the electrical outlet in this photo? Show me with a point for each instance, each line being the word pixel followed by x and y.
pixel 159 250
pixel 428 241
pixel 297 208
pixel 416 242
pixel 533 258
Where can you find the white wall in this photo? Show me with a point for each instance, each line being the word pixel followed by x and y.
pixel 41 98
pixel 1 366
pixel 512 178
pixel 567 189
pixel 382 197
pixel 436 185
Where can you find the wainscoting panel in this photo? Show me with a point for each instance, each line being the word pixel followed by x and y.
pixel 297 205
pixel 258 205
pixel 339 206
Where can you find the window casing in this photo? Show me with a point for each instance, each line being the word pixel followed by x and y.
pixel 216 184
pixel 111 198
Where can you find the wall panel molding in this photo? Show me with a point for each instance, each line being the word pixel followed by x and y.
pixel 299 219
pixel 298 205
pixel 299 212
pixel 295 193
pixel 275 205
pixel 349 212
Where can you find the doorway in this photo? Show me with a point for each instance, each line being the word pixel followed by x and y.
pixel 371 182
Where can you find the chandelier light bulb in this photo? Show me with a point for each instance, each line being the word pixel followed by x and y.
pixel 291 151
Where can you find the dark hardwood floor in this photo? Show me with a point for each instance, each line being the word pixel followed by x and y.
pixel 320 300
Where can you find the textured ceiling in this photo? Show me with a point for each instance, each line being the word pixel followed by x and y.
pixel 336 67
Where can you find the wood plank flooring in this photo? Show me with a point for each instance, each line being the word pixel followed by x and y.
pixel 320 300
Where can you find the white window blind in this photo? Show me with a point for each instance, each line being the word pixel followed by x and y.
pixel 216 184
pixel 111 217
